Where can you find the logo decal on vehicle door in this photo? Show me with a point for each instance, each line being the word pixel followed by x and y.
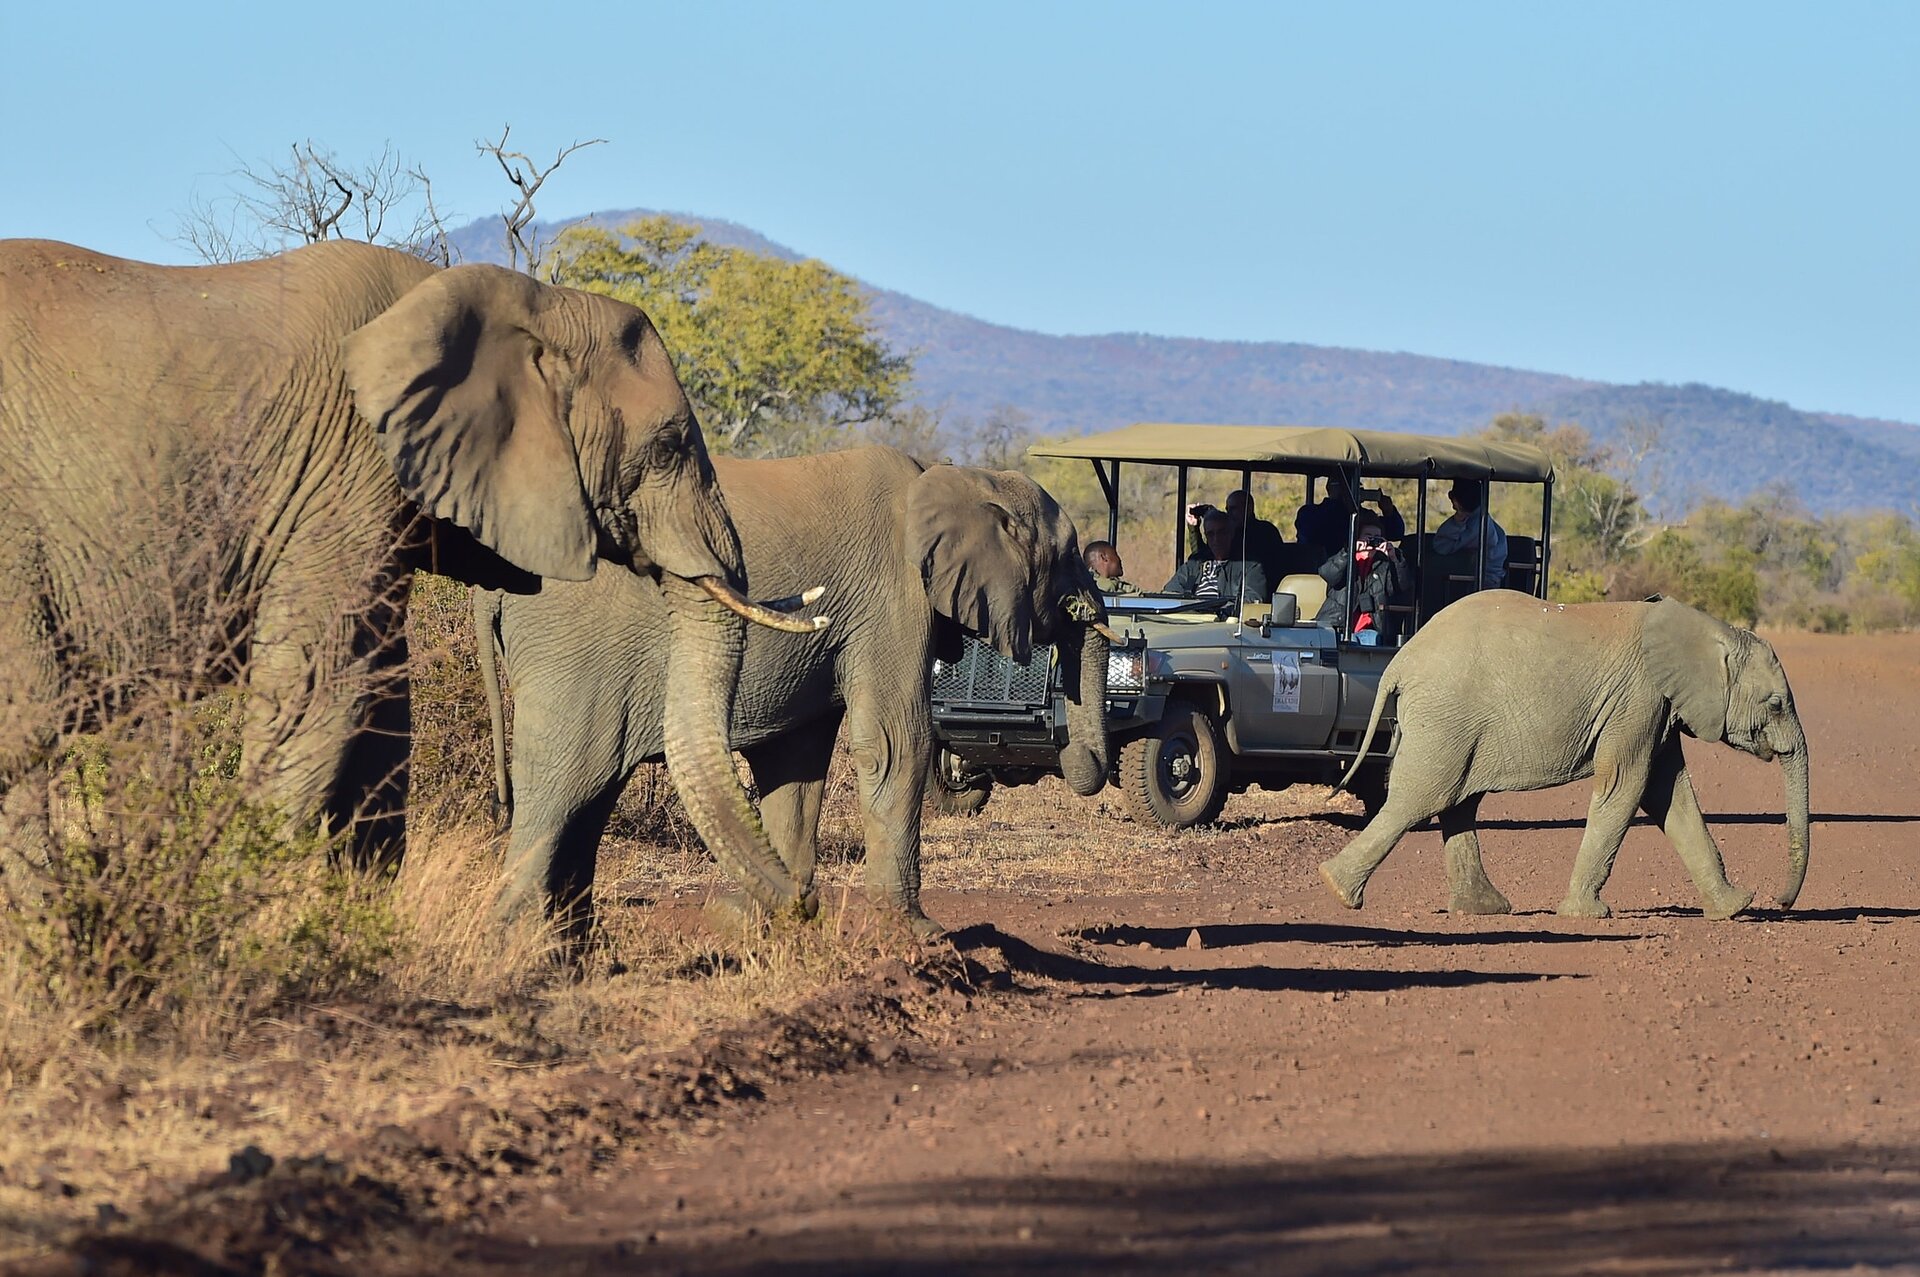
pixel 1286 682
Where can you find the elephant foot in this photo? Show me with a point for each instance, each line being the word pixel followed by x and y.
pixel 923 927
pixel 1484 899
pixel 1727 903
pixel 1584 907
pixel 1347 894
pixel 738 916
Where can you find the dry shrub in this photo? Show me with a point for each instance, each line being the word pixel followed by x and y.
pixel 452 763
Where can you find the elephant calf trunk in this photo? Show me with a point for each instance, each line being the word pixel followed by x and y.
pixel 1795 766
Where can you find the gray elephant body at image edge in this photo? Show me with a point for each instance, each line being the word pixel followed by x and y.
pixel 363 415
pixel 1502 691
pixel 909 557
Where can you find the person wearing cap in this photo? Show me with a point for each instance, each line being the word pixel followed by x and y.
pixel 1460 534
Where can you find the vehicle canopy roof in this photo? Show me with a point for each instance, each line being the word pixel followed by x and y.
pixel 1308 449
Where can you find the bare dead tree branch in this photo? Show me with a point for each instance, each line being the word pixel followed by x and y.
pixel 314 196
pixel 526 179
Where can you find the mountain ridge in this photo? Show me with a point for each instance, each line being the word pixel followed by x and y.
pixel 1714 442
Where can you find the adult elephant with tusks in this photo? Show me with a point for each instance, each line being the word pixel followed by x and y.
pixel 1502 691
pixel 366 414
pixel 910 557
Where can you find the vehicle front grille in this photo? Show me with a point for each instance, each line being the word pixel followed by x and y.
pixel 982 678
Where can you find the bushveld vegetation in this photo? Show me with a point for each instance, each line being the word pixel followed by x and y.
pixel 183 970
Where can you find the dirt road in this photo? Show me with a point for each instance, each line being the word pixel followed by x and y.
pixel 1244 1077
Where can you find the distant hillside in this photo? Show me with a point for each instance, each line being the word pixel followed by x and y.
pixel 1714 442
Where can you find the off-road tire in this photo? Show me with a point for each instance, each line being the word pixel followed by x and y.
pixel 1176 775
pixel 951 800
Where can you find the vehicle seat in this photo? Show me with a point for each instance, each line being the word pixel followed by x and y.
pixel 1523 563
pixel 1309 588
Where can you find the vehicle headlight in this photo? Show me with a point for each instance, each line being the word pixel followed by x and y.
pixel 1127 671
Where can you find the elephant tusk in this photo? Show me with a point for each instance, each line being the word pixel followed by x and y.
pixel 793 602
pixel 772 615
pixel 1108 633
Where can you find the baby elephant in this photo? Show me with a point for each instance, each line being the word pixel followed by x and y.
pixel 1502 691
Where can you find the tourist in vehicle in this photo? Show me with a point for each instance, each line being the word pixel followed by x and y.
pixel 1109 574
pixel 1383 581
pixel 1460 534
pixel 1219 573
pixel 1323 524
pixel 1254 538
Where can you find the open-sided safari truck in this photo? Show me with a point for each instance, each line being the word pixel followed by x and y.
pixel 1211 695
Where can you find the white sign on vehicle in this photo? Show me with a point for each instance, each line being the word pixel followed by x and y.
pixel 1286 682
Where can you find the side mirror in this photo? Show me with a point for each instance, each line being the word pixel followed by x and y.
pixel 1286 609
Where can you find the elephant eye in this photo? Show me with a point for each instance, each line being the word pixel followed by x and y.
pixel 1776 702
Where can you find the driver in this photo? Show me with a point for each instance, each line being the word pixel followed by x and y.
pixel 1215 573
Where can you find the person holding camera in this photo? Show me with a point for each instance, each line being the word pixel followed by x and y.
pixel 1219 573
pixel 1375 575
pixel 1323 524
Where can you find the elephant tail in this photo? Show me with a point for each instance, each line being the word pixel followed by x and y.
pixel 486 633
pixel 1389 684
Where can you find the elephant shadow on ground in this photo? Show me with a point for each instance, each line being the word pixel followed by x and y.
pixel 983 940
pixel 1847 913
pixel 1234 934
pixel 1724 818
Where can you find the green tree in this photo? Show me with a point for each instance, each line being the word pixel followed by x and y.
pixel 778 357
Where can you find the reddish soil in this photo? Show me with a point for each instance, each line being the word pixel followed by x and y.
pixel 1233 1074
pixel 1245 1077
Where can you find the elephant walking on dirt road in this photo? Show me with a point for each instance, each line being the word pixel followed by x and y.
pixel 361 414
pixel 1502 691
pixel 909 557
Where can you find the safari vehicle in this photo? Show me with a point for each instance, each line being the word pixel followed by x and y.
pixel 1212 695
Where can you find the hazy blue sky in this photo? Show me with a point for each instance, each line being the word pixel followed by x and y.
pixel 1679 192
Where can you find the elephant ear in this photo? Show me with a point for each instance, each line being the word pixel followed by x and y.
pixel 973 552
pixel 468 404
pixel 1690 661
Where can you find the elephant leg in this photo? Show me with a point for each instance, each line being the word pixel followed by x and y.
pixel 1346 874
pixel 328 713
pixel 890 735
pixel 790 772
pixel 560 813
pixel 1619 786
pixel 30 717
pixel 1469 890
pixel 1671 803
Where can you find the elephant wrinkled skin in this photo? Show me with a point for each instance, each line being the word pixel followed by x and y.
pixel 1502 691
pixel 908 555
pixel 363 414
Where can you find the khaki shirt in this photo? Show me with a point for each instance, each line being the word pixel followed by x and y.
pixel 1115 585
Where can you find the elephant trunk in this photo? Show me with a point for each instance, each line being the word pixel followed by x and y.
pixel 1794 763
pixel 1085 759
pixel 709 642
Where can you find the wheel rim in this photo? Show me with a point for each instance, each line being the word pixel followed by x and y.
pixel 1180 772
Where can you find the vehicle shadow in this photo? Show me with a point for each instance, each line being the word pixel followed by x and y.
pixel 1745 1206
pixel 1102 979
pixel 1232 934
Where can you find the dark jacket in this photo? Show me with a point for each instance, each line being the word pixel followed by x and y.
pixel 1265 546
pixel 1388 582
pixel 1238 579
pixel 1324 524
